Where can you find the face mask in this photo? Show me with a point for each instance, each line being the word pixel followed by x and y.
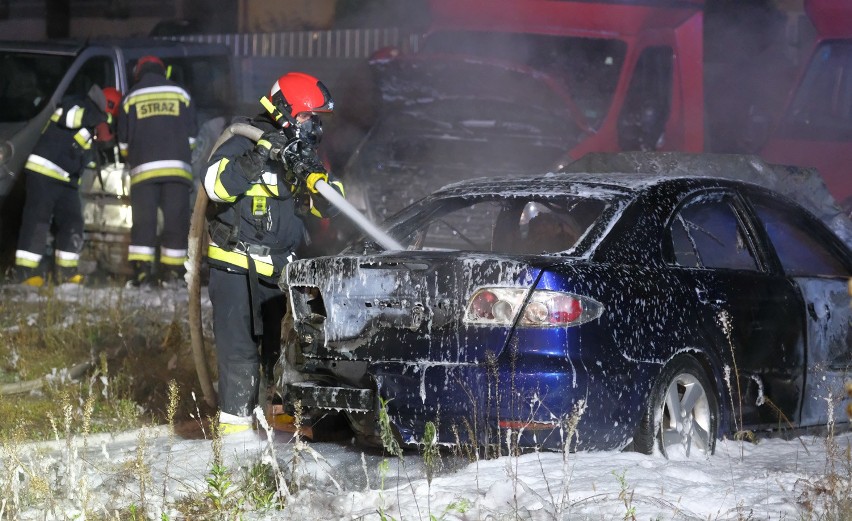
pixel 310 131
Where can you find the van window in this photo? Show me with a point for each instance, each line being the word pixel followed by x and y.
pixel 27 80
pixel 98 70
pixel 206 78
pixel 822 107
pixel 642 121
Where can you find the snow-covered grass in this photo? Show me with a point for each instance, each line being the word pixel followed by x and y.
pixel 153 474
pixel 156 472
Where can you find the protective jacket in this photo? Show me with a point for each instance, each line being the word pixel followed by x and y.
pixel 263 218
pixel 53 172
pixel 65 146
pixel 160 114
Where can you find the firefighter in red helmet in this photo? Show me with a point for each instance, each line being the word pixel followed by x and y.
pixel 156 134
pixel 53 171
pixel 261 194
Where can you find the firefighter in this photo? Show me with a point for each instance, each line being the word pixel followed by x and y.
pixel 156 134
pixel 260 194
pixel 52 180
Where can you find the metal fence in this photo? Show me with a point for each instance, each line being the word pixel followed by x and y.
pixel 332 44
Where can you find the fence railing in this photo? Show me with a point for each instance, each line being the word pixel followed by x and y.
pixel 332 44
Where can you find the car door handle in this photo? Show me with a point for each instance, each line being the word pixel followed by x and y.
pixel 813 314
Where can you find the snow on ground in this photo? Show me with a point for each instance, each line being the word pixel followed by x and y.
pixel 766 480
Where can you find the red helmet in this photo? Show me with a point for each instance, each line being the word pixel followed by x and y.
pixel 143 62
pixel 113 100
pixel 297 92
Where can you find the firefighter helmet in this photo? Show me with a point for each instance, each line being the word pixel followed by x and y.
pixel 297 92
pixel 146 63
pixel 113 100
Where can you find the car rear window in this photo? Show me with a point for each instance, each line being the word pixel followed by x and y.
pixel 507 225
pixel 706 233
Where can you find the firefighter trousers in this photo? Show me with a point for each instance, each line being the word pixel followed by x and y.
pixel 51 202
pixel 241 353
pixel 172 197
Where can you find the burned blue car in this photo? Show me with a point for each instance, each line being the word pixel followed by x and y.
pixel 658 309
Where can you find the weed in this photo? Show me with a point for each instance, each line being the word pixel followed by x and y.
pixel 625 495
pixel 430 452
pixel 260 485
pixel 221 493
pixel 389 442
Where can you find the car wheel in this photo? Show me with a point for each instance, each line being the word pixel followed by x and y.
pixel 681 416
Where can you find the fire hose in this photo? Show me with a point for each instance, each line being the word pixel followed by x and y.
pixel 198 236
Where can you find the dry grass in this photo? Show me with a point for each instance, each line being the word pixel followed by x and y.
pixel 125 355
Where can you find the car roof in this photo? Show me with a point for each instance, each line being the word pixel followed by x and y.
pixel 615 183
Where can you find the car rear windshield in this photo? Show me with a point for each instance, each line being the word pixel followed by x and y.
pixel 27 81
pixel 535 224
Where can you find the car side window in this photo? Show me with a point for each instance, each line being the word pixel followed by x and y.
pixel 796 239
pixel 706 233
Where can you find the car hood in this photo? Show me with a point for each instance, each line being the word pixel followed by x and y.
pixel 400 306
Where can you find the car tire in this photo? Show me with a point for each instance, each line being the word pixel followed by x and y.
pixel 689 433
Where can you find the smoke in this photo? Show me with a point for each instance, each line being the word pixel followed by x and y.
pixel 749 68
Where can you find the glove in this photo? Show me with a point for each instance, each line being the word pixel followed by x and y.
pixel 312 178
pixel 250 164
pixel 269 141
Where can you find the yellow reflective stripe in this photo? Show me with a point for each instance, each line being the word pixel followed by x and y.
pixel 172 261
pixel 26 263
pixel 144 257
pixel 339 185
pixel 155 96
pixel 66 263
pixel 27 259
pixel 239 259
pixel 82 139
pixel 161 172
pixel 49 172
pixel 258 190
pixel 218 188
pixel 265 144
pixel 74 118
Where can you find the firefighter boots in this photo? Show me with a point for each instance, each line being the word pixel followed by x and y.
pixel 27 276
pixel 143 275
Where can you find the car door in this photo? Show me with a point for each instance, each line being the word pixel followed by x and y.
pixel 819 266
pixel 746 311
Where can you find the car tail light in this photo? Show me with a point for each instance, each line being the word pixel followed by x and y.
pixel 545 308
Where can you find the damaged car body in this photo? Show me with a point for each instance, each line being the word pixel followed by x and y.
pixel 588 310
